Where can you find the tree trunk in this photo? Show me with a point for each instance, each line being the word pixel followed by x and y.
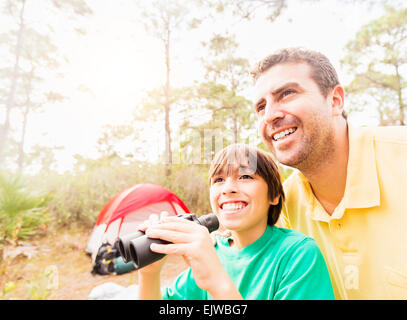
pixel 22 141
pixel 235 125
pixel 10 98
pixel 28 90
pixel 167 106
pixel 400 97
pixel 235 116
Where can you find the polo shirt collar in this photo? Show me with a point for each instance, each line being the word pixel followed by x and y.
pixel 362 184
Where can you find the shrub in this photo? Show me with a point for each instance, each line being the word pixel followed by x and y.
pixel 18 203
pixel 78 196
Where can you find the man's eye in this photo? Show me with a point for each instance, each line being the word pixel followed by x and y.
pixel 287 93
pixel 260 108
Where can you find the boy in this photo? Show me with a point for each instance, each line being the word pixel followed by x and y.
pixel 259 260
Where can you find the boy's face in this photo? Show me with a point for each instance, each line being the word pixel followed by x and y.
pixel 294 118
pixel 240 199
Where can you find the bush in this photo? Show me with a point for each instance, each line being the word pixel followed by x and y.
pixel 19 205
pixel 78 197
pixel 190 183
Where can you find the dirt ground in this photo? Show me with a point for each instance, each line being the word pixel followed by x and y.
pixel 57 267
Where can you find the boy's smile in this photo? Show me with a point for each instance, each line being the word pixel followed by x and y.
pixel 232 205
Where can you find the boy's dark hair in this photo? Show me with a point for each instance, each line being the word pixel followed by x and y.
pixel 257 162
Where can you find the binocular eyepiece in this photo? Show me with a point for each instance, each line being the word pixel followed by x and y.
pixel 135 247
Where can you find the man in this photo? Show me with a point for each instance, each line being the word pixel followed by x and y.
pixel 350 190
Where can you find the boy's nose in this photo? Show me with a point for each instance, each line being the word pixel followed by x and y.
pixel 230 186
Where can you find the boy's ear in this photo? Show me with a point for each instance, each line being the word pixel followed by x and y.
pixel 275 200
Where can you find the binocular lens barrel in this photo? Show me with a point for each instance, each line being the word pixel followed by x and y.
pixel 124 244
pixel 136 246
pixel 140 252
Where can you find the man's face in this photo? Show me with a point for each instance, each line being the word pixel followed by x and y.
pixel 294 118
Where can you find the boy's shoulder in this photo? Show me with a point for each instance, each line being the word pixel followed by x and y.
pixel 293 238
pixel 294 246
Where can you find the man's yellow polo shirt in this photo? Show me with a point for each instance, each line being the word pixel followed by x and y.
pixel 364 241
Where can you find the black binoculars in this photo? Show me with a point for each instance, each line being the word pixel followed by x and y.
pixel 135 247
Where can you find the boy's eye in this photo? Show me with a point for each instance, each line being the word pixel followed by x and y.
pixel 218 179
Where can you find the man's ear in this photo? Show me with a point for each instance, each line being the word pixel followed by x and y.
pixel 275 200
pixel 337 98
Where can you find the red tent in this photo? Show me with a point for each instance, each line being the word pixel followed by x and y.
pixel 129 208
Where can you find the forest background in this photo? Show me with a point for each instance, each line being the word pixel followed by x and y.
pixel 96 96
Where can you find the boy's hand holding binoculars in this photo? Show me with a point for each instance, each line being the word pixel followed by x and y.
pixel 153 268
pixel 193 242
pixel 189 240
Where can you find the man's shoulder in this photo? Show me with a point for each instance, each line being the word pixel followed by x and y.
pixel 389 134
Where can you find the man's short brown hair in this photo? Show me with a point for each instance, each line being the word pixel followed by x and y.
pixel 256 161
pixel 322 71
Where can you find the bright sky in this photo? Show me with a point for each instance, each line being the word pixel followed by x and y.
pixel 116 61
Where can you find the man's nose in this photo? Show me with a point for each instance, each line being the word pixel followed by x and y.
pixel 272 113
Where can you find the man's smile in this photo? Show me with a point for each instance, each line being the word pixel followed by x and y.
pixel 281 134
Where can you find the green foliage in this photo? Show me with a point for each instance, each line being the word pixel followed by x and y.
pixel 111 136
pixel 78 7
pixel 10 286
pixel 249 9
pixel 377 57
pixel 43 286
pixel 217 113
pixel 78 197
pixel 191 184
pixel 19 203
